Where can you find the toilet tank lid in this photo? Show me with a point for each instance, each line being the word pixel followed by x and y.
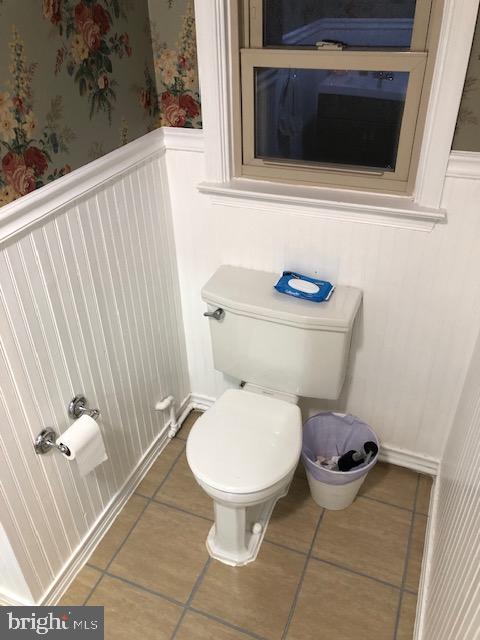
pixel 250 292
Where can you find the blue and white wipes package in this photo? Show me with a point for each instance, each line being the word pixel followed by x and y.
pixel 300 286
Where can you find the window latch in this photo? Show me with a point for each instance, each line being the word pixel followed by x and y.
pixel 330 45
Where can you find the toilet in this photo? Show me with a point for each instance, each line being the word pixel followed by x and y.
pixel 244 450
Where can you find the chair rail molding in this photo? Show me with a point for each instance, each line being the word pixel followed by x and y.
pixel 214 20
pixel 464 164
pixel 53 198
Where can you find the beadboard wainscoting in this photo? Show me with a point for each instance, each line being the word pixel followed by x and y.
pixel 421 308
pixel 88 303
pixel 450 597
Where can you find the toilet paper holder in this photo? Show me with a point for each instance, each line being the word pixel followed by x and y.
pixel 47 438
pixel 78 407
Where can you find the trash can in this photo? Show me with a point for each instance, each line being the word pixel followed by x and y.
pixel 333 434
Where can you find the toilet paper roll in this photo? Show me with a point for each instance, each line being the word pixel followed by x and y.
pixel 85 443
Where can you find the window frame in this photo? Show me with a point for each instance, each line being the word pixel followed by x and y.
pixel 451 34
pixel 312 173
pixel 253 12
pixel 402 180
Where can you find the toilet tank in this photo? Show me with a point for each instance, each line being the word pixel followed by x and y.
pixel 277 341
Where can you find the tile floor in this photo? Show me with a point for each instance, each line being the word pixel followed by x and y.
pixel 320 574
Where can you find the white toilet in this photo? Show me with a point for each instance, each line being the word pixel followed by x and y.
pixel 244 450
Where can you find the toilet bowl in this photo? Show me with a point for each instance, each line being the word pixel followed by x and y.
pixel 243 452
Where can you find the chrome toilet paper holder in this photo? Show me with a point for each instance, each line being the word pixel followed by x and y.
pixel 78 407
pixel 47 438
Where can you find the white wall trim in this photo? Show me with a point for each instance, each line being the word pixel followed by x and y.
pixel 74 564
pixel 464 164
pixel 213 20
pixel 37 206
pixel 181 139
pixel 389 454
pixel 427 560
pixel 343 206
pixel 455 41
pixel 409 460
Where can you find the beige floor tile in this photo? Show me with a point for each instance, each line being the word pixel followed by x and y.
pixel 416 552
pixel 256 597
pixel 407 617
pixel 197 627
pixel 369 537
pixel 160 468
pixel 423 496
pixel 182 490
pixel 391 484
pixel 334 603
pixel 188 424
pixel 165 552
pixel 132 613
pixel 80 588
pixel 117 533
pixel 295 517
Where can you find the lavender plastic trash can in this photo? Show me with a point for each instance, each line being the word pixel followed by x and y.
pixel 333 434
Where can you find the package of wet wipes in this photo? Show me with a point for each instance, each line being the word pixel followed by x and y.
pixel 300 286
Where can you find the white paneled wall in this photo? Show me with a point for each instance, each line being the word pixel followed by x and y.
pixel 451 609
pixel 421 307
pixel 88 303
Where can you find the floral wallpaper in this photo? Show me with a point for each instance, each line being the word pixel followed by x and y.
pixel 72 77
pixel 467 133
pixel 172 24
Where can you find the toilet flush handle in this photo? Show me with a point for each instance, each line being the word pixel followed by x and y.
pixel 218 314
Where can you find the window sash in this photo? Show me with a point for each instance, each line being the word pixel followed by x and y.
pixel 254 34
pixel 412 62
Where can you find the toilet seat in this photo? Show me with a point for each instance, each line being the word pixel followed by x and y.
pixel 245 442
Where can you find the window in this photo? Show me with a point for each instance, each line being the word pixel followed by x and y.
pixel 333 92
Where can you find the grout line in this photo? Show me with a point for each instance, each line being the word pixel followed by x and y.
pixel 176 602
pixel 227 624
pixel 357 573
pixel 191 596
pixel 286 547
pixel 407 558
pixel 390 504
pixel 93 589
pixel 142 512
pixel 302 576
pixel 174 506
pixel 108 574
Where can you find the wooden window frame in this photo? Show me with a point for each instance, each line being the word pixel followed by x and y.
pixel 253 12
pixel 399 181
pixel 452 27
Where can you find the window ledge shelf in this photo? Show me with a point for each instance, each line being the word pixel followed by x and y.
pixel 327 204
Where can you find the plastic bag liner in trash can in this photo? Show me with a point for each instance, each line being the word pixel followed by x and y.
pixel 328 435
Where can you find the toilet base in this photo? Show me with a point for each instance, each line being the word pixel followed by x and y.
pixel 236 543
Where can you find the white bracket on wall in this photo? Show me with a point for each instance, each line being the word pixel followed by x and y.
pixel 169 403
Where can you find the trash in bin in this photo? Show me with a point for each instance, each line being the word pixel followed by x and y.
pixel 332 435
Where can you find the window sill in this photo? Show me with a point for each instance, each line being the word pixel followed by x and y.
pixel 327 204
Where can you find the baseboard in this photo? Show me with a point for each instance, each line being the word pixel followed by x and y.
pixel 425 577
pixel 409 459
pixel 392 455
pixel 106 519
pixel 201 402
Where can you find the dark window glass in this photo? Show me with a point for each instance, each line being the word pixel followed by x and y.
pixel 329 116
pixel 355 23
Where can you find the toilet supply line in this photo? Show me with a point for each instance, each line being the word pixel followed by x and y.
pixel 169 403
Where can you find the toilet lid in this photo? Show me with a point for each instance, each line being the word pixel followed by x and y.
pixel 245 442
